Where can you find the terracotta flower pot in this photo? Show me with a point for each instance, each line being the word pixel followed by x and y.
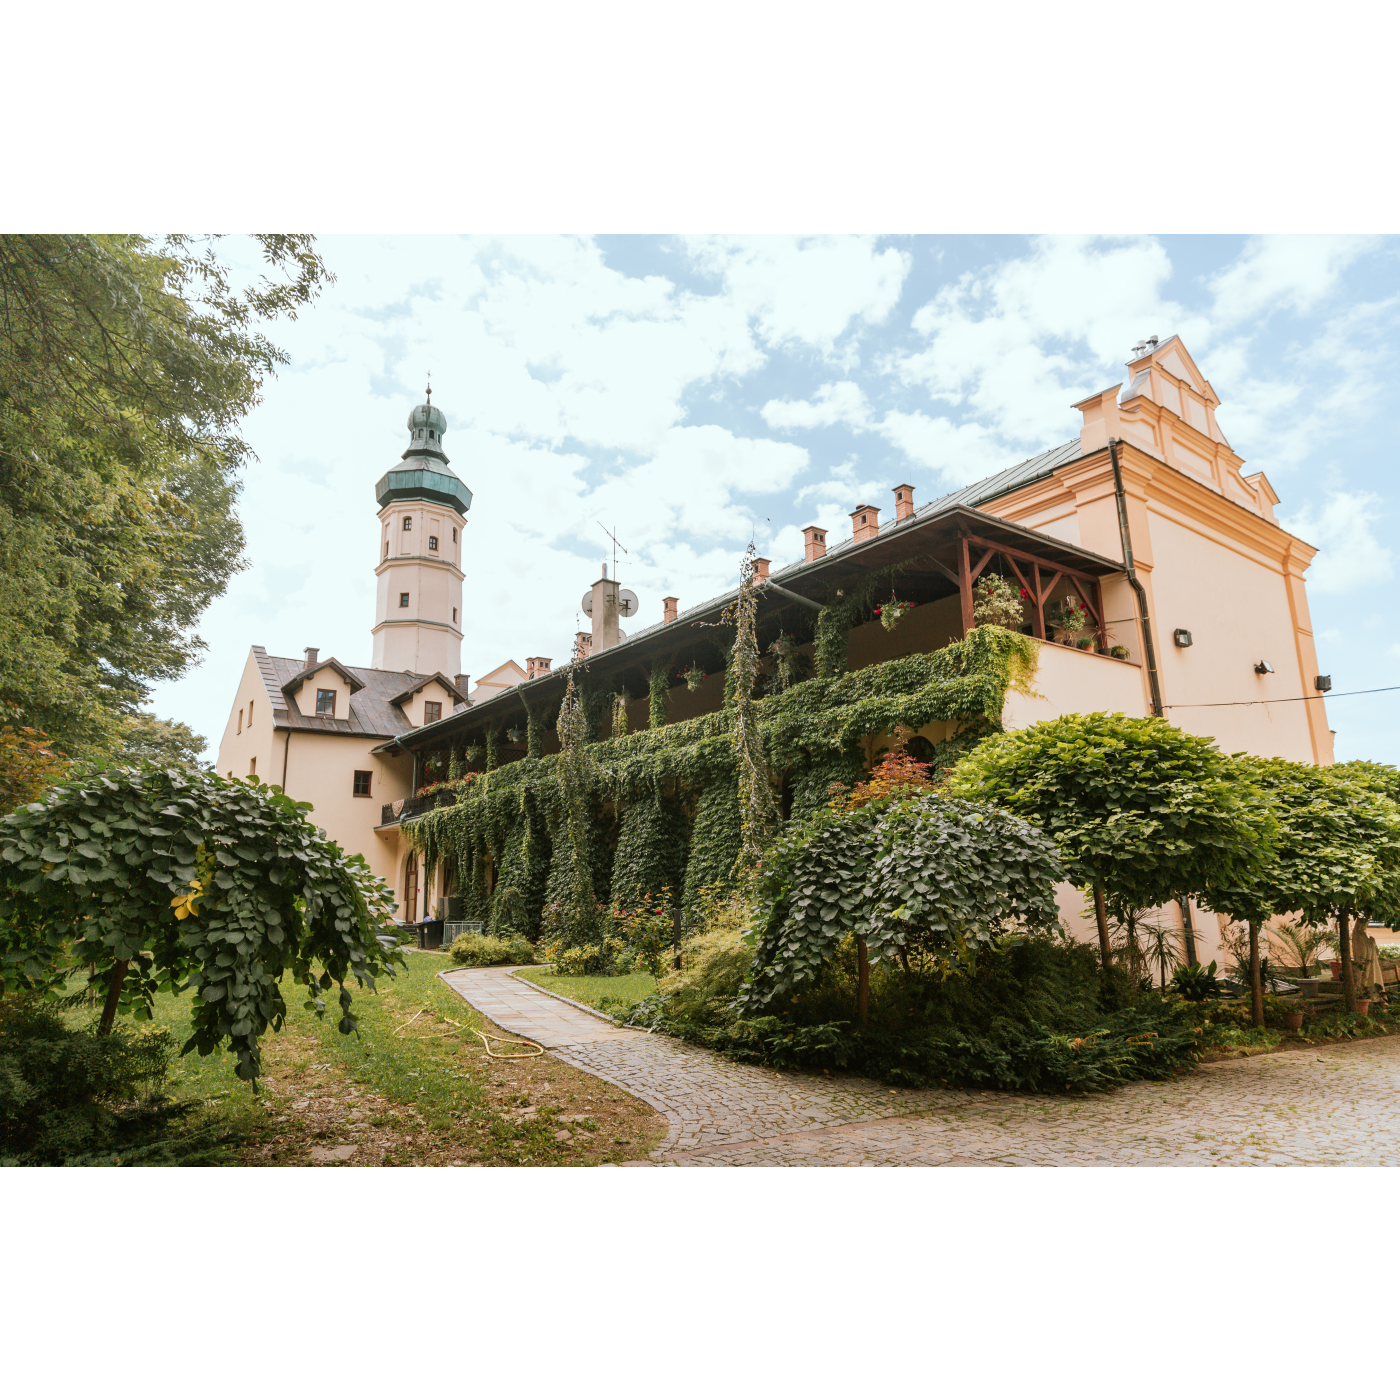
pixel 1292 1020
pixel 1363 1006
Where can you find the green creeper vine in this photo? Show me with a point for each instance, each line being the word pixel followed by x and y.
pixel 659 691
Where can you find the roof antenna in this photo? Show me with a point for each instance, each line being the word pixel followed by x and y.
pixel 616 546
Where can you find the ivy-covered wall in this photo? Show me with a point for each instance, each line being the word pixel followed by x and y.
pixel 663 806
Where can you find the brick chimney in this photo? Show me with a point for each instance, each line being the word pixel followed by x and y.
pixel 903 502
pixel 813 543
pixel 463 682
pixel 671 609
pixel 761 567
pixel 865 523
pixel 583 645
pixel 536 666
pixel 311 654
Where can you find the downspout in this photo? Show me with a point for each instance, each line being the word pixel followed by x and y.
pixel 286 749
pixel 1149 651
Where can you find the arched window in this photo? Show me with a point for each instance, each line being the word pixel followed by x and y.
pixel 410 890
pixel 408 522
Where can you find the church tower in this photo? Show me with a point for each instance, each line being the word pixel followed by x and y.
pixel 423 516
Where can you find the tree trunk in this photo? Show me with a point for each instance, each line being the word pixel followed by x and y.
pixel 863 984
pixel 1344 938
pixel 1256 984
pixel 1101 918
pixel 1188 933
pixel 114 995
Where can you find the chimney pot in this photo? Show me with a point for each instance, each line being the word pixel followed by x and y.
pixel 536 666
pixel 903 502
pixel 865 523
pixel 463 682
pixel 583 645
pixel 813 542
pixel 311 654
pixel 761 567
pixel 671 609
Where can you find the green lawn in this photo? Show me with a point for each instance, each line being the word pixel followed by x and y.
pixel 409 1090
pixel 606 993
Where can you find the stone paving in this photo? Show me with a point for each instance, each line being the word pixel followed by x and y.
pixel 1333 1106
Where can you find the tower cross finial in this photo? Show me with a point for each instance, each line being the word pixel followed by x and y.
pixel 430 386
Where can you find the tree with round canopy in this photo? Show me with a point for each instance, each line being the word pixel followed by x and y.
pixel 176 879
pixel 1336 855
pixel 1142 812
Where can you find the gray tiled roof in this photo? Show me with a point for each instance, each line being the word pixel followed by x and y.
pixel 371 712
pixel 1001 483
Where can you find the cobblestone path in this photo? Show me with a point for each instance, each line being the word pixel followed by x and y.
pixel 1335 1106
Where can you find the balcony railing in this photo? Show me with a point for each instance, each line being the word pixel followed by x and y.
pixel 406 808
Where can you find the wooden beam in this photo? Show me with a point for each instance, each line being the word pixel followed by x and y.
pixel 1038 619
pixel 1030 558
pixel 965 585
pixel 949 574
pixel 982 564
pixel 1039 604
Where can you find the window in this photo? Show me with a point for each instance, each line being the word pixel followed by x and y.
pixel 454 534
pixel 362 781
pixel 386 546
pixel 252 766
pixel 408 522
pixel 250 713
pixel 403 600
pixel 239 730
pixel 432 711
pixel 432 541
pixel 325 702
pixel 454 614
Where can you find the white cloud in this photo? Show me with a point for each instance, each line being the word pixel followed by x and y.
pixel 1292 273
pixel 1349 554
pixel 842 402
pixel 805 289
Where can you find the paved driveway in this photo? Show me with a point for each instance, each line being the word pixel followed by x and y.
pixel 1338 1106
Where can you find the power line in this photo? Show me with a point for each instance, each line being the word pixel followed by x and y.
pixel 1322 695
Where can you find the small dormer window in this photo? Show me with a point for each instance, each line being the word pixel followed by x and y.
pixel 325 702
pixel 403 600
pixel 432 711
pixel 408 522
pixel 432 542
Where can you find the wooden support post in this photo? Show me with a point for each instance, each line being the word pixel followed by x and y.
pixel 965 584
pixel 1101 631
pixel 1038 598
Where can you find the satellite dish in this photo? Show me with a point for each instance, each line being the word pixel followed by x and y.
pixel 627 604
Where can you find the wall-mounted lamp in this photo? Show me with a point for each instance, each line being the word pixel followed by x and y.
pixel 1263 668
pixel 1323 682
pixel 1181 637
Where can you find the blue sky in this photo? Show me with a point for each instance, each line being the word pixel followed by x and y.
pixel 689 391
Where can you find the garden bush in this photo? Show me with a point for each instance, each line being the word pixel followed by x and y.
pixel 485 950
pixel 69 1097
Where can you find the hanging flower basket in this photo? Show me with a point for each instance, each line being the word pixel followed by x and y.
pixel 515 735
pixel 891 614
pixel 694 678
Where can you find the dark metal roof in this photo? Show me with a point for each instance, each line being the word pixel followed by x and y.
pixel 423 484
pixel 372 711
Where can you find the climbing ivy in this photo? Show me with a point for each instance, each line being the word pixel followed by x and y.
pixel 659 692
pixel 809 736
pixel 651 853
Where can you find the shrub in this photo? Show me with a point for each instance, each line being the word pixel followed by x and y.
pixel 714 965
pixel 484 950
pixel 74 1098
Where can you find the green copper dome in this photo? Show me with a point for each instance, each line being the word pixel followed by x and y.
pixel 423 476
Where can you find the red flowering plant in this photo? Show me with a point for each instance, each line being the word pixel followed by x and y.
pixel 446 785
pixel 892 612
pixel 647 933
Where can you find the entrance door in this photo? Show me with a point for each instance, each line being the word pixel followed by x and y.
pixel 410 893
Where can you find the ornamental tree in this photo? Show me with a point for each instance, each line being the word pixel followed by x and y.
pixel 172 878
pixel 913 871
pixel 1141 811
pixel 1335 855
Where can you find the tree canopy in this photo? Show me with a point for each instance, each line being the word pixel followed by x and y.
pixel 163 742
pixel 909 872
pixel 1141 811
pixel 178 879
pixel 126 364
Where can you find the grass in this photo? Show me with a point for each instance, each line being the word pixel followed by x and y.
pixel 410 1089
pixel 605 993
